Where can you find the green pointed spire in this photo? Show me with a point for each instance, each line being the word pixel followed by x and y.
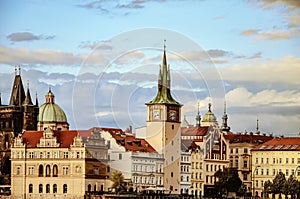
pixel 164 91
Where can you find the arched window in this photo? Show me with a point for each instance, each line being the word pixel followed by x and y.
pixel 55 171
pixel 65 188
pixel 40 188
pixel 41 170
pixel 55 188
pixel 47 188
pixel 89 188
pixel 48 173
pixel 30 188
pixel 95 188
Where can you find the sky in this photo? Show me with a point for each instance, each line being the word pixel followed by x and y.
pixel 101 58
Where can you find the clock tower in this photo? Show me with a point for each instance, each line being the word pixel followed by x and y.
pixel 163 127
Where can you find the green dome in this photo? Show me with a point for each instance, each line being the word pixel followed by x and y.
pixel 51 112
pixel 209 116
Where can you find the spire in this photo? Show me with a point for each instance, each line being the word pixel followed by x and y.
pixel 198 116
pixel 0 100
pixel 225 127
pixel 36 100
pixel 257 129
pixel 17 93
pixel 27 100
pixel 164 78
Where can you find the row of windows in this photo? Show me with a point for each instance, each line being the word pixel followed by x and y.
pixel 236 163
pixel 213 168
pixel 145 180
pixel 48 154
pixel 47 172
pixel 196 165
pixel 276 161
pixel 185 168
pixel 236 150
pixel 267 172
pixel 187 179
pixel 185 158
pixel 47 188
pixel 145 168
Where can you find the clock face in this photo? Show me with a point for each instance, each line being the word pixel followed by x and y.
pixel 172 115
pixel 156 114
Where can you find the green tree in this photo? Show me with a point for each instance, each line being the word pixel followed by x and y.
pixel 290 187
pixel 278 184
pixel 228 180
pixel 117 179
pixel 268 187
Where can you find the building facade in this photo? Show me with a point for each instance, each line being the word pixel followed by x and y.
pixel 276 155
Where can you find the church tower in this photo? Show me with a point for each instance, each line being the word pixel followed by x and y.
pixel 163 127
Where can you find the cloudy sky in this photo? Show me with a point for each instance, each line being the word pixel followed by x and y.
pixel 101 58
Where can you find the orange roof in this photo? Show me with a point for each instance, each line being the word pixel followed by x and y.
pixel 280 144
pixel 130 142
pixel 65 138
pixel 249 138
pixel 194 131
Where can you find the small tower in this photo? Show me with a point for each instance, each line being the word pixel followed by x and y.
pixel 163 129
pixel 257 129
pixel 198 116
pixel 225 127
pixel 209 118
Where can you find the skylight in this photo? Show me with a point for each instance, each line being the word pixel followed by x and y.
pixel 262 147
pixel 287 146
pixel 295 146
pixel 270 147
pixel 279 146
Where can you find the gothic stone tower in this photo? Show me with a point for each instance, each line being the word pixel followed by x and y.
pixel 20 114
pixel 163 127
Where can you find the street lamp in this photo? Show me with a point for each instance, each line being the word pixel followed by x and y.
pixel 253 177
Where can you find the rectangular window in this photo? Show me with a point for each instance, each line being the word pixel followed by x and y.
pixel 66 154
pixel 267 172
pixel 18 170
pixel 30 170
pixel 274 172
pixel 287 160
pixel 267 160
pixel 31 154
pixel 237 163
pixel 231 150
pixel 256 160
pixel 298 160
pixel 280 160
pixel 237 150
pixel 245 176
pixel 274 160
pixel 245 150
pixel 286 172
pixel 231 163
pixel 65 170
pixel 245 163
pixel 262 171
pixel 262 160
pixel 293 160
pixel 120 156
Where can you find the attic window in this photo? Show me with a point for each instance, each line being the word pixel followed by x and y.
pixel 279 146
pixel 129 142
pixel 295 146
pixel 263 147
pixel 287 146
pixel 270 147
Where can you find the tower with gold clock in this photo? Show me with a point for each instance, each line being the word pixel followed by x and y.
pixel 163 127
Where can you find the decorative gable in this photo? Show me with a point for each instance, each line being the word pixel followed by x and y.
pixel 48 139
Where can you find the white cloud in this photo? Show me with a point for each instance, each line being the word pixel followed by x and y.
pixel 284 70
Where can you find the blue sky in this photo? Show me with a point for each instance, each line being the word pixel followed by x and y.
pixel 101 58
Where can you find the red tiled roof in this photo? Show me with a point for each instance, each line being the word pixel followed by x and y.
pixel 130 142
pixel 194 131
pixel 280 144
pixel 249 138
pixel 65 138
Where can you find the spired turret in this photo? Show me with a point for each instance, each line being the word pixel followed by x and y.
pixel 225 127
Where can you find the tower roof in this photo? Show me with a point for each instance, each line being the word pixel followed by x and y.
pixel 209 116
pixel 17 93
pixel 164 91
pixel 51 112
pixel 27 100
